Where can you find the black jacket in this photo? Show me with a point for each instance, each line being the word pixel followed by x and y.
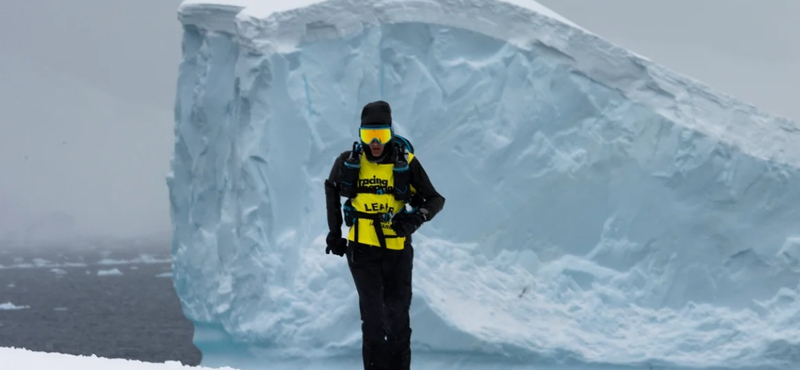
pixel 430 199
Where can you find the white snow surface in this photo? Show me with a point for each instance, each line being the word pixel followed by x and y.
pixel 259 9
pixel 602 211
pixel 22 359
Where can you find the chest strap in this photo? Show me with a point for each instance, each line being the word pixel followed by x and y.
pixel 377 218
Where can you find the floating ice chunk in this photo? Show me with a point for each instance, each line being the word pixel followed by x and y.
pixel 8 306
pixel 109 272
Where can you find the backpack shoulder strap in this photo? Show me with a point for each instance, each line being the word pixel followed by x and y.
pixel 403 142
pixel 353 160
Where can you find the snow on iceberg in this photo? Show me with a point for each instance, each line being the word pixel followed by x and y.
pixel 602 210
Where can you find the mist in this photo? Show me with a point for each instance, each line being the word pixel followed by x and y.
pixel 86 114
pixel 87 89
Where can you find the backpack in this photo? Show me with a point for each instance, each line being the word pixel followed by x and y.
pixel 352 166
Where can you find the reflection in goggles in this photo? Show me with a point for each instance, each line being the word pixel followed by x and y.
pixel 380 134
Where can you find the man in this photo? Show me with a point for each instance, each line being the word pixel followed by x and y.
pixel 379 178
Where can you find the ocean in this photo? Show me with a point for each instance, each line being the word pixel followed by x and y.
pixel 115 302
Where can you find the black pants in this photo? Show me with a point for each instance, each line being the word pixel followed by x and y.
pixel 383 280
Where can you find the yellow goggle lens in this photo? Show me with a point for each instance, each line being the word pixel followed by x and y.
pixel 380 134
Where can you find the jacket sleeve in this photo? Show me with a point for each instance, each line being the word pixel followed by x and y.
pixel 429 198
pixel 333 201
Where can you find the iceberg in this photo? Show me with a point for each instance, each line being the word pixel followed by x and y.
pixel 602 211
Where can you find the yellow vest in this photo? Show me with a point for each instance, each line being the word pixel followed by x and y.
pixel 374 174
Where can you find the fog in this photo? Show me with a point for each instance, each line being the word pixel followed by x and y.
pixel 86 114
pixel 87 89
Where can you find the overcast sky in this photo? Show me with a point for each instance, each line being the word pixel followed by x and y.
pixel 87 91
pixel 746 48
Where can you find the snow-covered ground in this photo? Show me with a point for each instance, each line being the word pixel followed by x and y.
pixel 21 359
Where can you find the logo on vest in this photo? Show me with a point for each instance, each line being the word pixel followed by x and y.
pixel 380 186
pixel 379 207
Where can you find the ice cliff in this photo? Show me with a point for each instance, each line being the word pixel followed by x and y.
pixel 602 211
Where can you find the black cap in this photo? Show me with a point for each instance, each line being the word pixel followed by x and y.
pixel 377 113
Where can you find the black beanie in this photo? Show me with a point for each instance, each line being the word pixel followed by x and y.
pixel 377 113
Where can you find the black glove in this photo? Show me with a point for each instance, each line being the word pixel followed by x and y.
pixel 405 224
pixel 336 244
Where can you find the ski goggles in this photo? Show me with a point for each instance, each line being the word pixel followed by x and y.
pixel 380 134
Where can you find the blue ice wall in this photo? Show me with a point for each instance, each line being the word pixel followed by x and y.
pixel 584 224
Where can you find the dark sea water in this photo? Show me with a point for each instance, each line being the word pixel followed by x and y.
pixel 71 309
